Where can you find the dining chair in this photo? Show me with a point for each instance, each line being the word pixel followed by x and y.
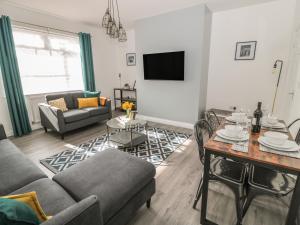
pixel 212 119
pixel 230 173
pixel 265 181
pixel 297 138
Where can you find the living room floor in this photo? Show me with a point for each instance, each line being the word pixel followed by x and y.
pixel 177 182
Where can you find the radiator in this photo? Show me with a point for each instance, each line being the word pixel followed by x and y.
pixel 32 102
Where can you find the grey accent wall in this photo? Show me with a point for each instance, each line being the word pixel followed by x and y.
pixel 183 30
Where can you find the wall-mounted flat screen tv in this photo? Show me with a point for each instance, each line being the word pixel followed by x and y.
pixel 164 66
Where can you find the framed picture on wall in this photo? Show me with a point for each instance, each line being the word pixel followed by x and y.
pixel 245 50
pixel 131 59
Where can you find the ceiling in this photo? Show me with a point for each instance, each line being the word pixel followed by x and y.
pixel 91 11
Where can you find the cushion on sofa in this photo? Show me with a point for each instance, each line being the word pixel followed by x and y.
pixel 15 169
pixel 75 115
pixel 31 200
pixel 113 183
pixel 59 103
pixel 13 212
pixel 87 102
pixel 94 111
pixel 52 197
pixel 91 94
pixel 67 97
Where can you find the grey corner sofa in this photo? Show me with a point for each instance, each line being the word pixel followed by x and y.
pixel 74 118
pixel 106 189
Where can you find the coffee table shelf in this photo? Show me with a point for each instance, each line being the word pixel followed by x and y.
pixel 127 131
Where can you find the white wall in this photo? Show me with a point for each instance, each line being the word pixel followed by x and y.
pixel 182 30
pixel 104 51
pixel 244 83
pixel 298 14
pixel 128 72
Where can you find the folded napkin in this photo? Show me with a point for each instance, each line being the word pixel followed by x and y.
pixel 295 154
pixel 241 146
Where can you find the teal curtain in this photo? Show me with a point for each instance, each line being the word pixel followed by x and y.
pixel 87 62
pixel 11 80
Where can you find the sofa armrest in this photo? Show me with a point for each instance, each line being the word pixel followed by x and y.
pixel 108 103
pixel 85 212
pixel 51 115
pixel 2 132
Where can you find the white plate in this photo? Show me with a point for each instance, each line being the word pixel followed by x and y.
pixel 274 126
pixel 289 146
pixel 222 133
pixel 231 119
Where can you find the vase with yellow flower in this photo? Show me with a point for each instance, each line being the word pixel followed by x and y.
pixel 128 106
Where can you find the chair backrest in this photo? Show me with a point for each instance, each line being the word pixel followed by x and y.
pixel 297 138
pixel 212 119
pixel 202 132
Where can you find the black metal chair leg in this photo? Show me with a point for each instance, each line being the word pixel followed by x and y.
pixel 45 128
pixel 250 197
pixel 239 209
pixel 148 203
pixel 198 194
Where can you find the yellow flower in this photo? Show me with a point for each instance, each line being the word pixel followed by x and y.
pixel 127 105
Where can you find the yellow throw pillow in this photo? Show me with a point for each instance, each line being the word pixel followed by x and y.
pixel 87 102
pixel 59 103
pixel 103 101
pixel 31 200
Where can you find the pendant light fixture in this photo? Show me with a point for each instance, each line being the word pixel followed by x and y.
pixel 106 17
pixel 113 26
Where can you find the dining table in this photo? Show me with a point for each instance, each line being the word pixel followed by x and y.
pixel 254 156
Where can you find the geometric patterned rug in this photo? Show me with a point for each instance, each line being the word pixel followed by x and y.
pixel 160 145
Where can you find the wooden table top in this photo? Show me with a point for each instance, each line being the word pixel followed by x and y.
pixel 285 163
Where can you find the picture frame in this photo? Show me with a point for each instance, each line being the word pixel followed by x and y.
pixel 131 59
pixel 245 50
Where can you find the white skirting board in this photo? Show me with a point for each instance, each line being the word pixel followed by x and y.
pixel 165 121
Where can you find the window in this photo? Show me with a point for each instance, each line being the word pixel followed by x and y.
pixel 48 62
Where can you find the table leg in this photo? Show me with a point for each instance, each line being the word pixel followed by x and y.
pixel 146 127
pixel 131 138
pixel 205 187
pixel 107 132
pixel 294 205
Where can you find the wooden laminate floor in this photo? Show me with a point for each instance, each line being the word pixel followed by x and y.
pixel 177 181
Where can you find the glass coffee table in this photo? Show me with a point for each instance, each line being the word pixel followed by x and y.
pixel 128 132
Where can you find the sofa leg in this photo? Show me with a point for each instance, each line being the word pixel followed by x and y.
pixel 45 128
pixel 62 136
pixel 148 203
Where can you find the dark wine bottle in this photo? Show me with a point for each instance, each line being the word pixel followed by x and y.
pixel 256 122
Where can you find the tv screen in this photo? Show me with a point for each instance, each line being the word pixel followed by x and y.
pixel 164 66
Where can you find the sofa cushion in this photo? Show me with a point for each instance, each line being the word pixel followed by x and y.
pixel 75 115
pixel 68 99
pixel 113 176
pixel 87 102
pixel 31 200
pixel 94 111
pixel 91 94
pixel 16 213
pixel 59 103
pixel 15 169
pixel 52 197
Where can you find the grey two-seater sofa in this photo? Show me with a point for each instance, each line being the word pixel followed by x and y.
pixel 74 118
pixel 106 189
